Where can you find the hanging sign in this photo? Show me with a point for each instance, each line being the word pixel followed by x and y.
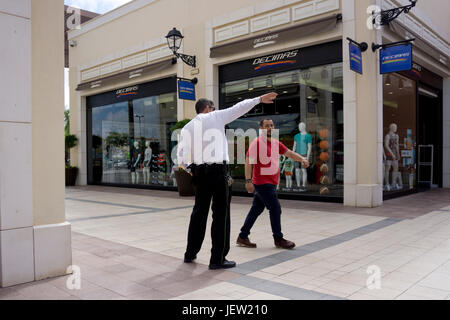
pixel 396 58
pixel 186 90
pixel 355 58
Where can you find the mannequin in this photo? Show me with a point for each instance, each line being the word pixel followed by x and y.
pixel 288 169
pixel 303 146
pixel 392 153
pixel 172 175
pixel 147 160
pixel 281 160
pixel 135 164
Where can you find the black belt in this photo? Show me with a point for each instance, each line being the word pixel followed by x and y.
pixel 209 165
pixel 205 167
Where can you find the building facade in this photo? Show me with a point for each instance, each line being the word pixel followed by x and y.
pixel 368 136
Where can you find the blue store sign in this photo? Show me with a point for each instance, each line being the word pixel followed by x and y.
pixel 186 90
pixel 396 58
pixel 355 58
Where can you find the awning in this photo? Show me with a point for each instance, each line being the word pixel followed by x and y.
pixel 419 43
pixel 283 35
pixel 127 75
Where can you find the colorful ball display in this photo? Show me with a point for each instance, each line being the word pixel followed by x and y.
pixel 324 156
pixel 324 191
pixel 324 180
pixel 323 133
pixel 324 145
pixel 324 168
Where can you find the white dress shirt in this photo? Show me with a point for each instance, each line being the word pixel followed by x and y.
pixel 203 139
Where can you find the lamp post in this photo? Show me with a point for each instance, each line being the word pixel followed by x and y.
pixel 174 40
pixel 139 117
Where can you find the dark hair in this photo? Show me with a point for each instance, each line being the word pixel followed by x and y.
pixel 201 105
pixel 261 123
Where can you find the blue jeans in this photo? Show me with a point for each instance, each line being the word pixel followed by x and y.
pixel 265 197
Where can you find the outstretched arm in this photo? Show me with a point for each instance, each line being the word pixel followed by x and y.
pixel 296 157
pixel 238 110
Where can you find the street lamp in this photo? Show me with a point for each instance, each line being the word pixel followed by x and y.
pixel 139 117
pixel 174 40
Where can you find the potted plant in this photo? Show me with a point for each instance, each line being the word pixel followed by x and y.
pixel 71 141
pixel 184 179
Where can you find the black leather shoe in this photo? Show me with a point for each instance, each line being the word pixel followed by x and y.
pixel 225 265
pixel 189 260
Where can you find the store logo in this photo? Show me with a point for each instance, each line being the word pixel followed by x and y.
pixel 131 91
pixel 275 60
pixel 265 41
pixel 396 58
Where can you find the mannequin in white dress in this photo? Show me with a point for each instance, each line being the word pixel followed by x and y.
pixel 135 164
pixel 392 153
pixel 147 160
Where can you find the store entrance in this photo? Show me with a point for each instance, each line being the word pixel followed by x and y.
pixel 429 139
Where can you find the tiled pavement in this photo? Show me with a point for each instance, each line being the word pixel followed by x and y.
pixel 129 244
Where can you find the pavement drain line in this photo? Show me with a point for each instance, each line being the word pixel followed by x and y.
pixel 292 292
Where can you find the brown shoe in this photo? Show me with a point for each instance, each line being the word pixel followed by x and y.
pixel 245 243
pixel 284 244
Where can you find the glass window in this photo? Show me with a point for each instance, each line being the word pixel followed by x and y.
pixel 399 133
pixel 309 115
pixel 130 142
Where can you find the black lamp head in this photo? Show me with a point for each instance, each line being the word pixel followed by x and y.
pixel 174 39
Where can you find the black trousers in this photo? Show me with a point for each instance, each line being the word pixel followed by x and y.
pixel 211 184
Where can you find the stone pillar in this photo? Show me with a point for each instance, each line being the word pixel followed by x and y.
pixel 16 204
pixel 34 236
pixel 363 116
pixel 52 235
pixel 446 137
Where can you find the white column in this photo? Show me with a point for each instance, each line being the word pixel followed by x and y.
pixel 51 233
pixel 363 115
pixel 350 133
pixel 16 201
pixel 446 137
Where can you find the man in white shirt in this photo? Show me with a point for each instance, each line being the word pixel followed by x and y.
pixel 203 147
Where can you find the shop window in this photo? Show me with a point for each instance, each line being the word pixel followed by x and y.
pixel 309 115
pixel 131 141
pixel 399 134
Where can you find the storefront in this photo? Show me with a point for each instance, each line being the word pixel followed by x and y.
pixel 412 126
pixel 308 113
pixel 129 137
pixel 395 140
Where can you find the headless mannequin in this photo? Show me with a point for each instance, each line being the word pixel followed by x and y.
pixel 147 160
pixel 392 153
pixel 172 174
pixel 135 165
pixel 305 151
pixel 281 161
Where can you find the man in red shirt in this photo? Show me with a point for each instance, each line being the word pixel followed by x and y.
pixel 262 164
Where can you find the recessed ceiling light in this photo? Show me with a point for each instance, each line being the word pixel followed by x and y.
pixel 388 80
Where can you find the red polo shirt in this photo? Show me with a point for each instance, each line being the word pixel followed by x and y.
pixel 264 156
